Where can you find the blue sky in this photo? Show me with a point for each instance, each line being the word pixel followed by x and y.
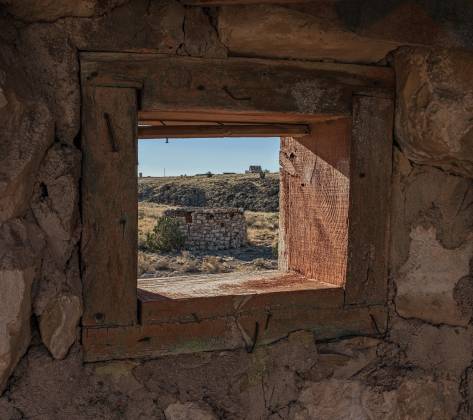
pixel 191 156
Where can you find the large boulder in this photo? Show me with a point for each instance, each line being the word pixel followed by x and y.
pixel 434 108
pixel 276 31
pixel 58 324
pixel 15 312
pixel 414 399
pixel 20 244
pixel 427 284
pixel 27 131
pixel 50 10
pixel 56 197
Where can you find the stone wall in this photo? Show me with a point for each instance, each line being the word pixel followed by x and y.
pixel 421 369
pixel 211 228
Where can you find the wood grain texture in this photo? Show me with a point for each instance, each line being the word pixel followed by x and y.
pixel 238 86
pixel 206 131
pixel 109 206
pixel 370 181
pixel 245 330
pixel 314 200
pixel 199 297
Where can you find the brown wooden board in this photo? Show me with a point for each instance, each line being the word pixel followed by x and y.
pixel 370 180
pixel 195 131
pixel 225 333
pixel 237 85
pixel 314 199
pixel 109 206
pixel 199 297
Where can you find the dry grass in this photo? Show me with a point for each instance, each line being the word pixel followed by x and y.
pixel 262 227
pixel 262 233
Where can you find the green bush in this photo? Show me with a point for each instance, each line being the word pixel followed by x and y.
pixel 166 236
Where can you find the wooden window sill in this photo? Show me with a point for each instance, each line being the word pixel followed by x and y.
pixel 226 311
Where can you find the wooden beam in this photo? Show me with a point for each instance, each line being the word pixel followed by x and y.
pixel 235 2
pixel 238 86
pixel 204 131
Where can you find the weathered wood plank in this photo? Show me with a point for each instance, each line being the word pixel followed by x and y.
pixel 188 299
pixel 237 85
pixel 234 2
pixel 314 198
pixel 370 180
pixel 109 206
pixel 226 333
pixel 196 131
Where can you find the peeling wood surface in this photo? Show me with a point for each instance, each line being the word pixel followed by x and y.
pixel 314 199
pixel 109 206
pixel 370 182
pixel 245 330
pixel 237 85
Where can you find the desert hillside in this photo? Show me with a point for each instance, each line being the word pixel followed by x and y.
pixel 247 191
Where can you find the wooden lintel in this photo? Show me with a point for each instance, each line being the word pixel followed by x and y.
pixel 204 131
pixel 236 2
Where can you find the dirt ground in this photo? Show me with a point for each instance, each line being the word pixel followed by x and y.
pixel 259 254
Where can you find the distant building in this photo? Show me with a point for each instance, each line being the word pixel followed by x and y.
pixel 254 169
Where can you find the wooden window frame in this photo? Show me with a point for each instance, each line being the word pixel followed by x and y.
pixel 119 87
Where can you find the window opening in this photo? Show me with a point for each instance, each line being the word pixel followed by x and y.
pixel 208 208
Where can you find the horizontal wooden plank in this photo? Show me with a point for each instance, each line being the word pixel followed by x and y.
pixel 236 85
pixel 236 2
pixel 226 333
pixel 218 116
pixel 198 297
pixel 205 131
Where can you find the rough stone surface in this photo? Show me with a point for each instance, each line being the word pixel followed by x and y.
pixel 50 10
pixel 58 324
pixel 420 399
pixel 427 282
pixel 275 31
pixel 178 411
pixel 20 243
pixel 15 312
pixel 211 228
pixel 422 368
pixel 56 197
pixel 347 31
pixel 434 106
pixel 27 131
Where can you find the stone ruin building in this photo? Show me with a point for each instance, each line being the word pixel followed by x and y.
pixel 372 316
pixel 211 228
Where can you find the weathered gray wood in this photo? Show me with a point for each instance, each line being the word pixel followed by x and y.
pixel 239 86
pixel 109 206
pixel 314 199
pixel 370 180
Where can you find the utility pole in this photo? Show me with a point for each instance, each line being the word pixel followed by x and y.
pixel 164 172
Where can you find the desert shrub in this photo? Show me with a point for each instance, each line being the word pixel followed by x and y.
pixel 166 236
pixel 275 248
pixel 213 264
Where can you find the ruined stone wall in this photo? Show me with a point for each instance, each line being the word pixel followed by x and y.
pixel 421 369
pixel 211 228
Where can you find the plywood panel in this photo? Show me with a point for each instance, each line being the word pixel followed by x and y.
pixel 109 206
pixel 314 202
pixel 370 180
